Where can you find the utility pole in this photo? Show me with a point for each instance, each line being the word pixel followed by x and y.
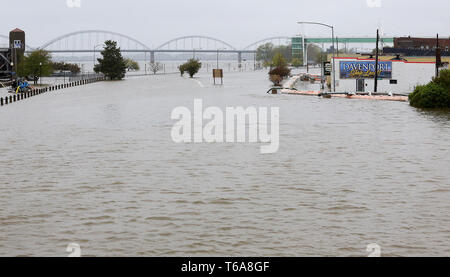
pixel 337 46
pixel 438 56
pixel 217 59
pixel 376 63
pixel 40 74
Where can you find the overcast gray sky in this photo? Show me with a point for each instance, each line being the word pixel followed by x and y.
pixel 239 22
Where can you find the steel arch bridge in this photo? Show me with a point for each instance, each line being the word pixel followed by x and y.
pixel 196 42
pixel 85 41
pixel 280 40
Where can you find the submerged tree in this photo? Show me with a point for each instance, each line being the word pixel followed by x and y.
pixel 131 65
pixel 182 69
pixel 155 67
pixel 112 64
pixel 266 52
pixel 296 62
pixel 72 67
pixel 192 67
pixel 435 95
pixel 278 60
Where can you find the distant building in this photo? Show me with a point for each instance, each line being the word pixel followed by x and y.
pixel 418 47
pixel 421 43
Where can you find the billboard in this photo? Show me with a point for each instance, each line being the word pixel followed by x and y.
pixel 365 70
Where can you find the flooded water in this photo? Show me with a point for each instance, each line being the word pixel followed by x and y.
pixel 96 165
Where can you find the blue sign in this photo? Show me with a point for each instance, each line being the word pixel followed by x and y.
pixel 365 70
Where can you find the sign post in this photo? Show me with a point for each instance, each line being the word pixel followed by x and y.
pixel 218 73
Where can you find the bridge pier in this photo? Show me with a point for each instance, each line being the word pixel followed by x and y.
pixel 152 57
pixel 239 60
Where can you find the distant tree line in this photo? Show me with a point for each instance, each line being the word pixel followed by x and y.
pixel 62 66
pixel 266 52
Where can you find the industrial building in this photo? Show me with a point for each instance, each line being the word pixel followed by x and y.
pixel 421 43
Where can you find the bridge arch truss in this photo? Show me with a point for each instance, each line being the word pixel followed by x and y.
pixel 195 42
pixel 89 39
pixel 277 41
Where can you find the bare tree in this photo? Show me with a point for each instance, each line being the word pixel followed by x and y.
pixel 155 67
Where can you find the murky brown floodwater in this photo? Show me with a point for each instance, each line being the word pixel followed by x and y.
pixel 96 165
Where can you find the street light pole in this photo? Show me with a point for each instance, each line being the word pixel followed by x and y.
pixel 40 74
pixel 334 61
pixel 217 59
pixel 333 39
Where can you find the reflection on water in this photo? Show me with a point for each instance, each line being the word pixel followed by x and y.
pixel 438 116
pixel 95 165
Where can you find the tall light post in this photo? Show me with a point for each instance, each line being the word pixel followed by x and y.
pixel 217 59
pixel 218 50
pixel 332 38
pixel 12 72
pixel 195 49
pixel 40 74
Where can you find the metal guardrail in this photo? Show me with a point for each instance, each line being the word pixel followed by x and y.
pixel 36 91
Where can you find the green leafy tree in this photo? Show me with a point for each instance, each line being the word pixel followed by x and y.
pixel 296 62
pixel 285 50
pixel 131 65
pixel 192 67
pixel 182 69
pixel 279 60
pixel 431 96
pixel 315 54
pixel 435 95
pixel 36 64
pixel 443 79
pixel 264 53
pixel 112 64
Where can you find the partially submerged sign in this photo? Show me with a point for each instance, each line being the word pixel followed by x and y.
pixel 365 70
pixel 218 73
